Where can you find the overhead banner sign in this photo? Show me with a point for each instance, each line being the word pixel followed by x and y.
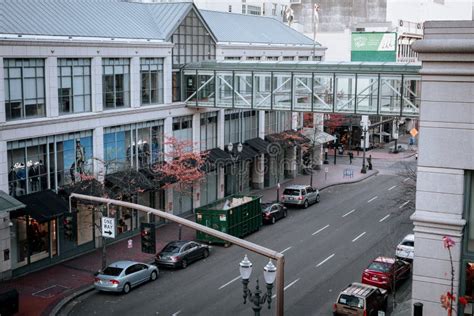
pixel 374 46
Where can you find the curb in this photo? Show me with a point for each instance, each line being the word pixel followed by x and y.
pixel 376 172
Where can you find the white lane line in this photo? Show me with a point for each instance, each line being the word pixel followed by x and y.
pixel 348 213
pixel 320 230
pixel 391 188
pixel 177 313
pixel 406 179
pixel 355 239
pixel 384 218
pixel 233 280
pixel 286 287
pixel 401 206
pixel 322 262
pixel 286 249
pixel 374 198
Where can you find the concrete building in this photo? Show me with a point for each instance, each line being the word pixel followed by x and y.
pixel 95 93
pixel 445 182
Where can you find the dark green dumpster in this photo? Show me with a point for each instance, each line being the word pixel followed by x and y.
pixel 236 215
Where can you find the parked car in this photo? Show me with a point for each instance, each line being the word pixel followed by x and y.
pixel 382 271
pixel 121 276
pixel 406 248
pixel 361 300
pixel 271 212
pixel 300 195
pixel 180 253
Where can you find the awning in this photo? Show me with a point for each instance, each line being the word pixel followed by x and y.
pixel 320 137
pixel 9 203
pixel 382 134
pixel 128 182
pixel 259 145
pixel 247 153
pixel 217 156
pixel 87 187
pixel 42 206
pixel 288 138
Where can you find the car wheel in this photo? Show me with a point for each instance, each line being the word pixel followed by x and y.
pixel 273 220
pixel 126 288
pixel 184 264
pixel 205 253
pixel 306 204
pixel 153 276
pixel 318 198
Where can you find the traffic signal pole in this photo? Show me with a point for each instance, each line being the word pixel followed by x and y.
pixel 269 253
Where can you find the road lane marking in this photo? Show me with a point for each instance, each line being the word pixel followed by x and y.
pixel 374 198
pixel 177 313
pixel 401 206
pixel 320 230
pixel 233 280
pixel 322 262
pixel 355 239
pixel 286 287
pixel 384 218
pixel 286 249
pixel 348 213
pixel 391 188
pixel 406 179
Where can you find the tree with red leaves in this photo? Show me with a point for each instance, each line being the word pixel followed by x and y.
pixel 335 121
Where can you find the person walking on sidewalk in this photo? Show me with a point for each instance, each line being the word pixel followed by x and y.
pixel 351 156
pixel 369 162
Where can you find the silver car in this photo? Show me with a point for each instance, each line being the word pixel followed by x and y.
pixel 301 195
pixel 121 276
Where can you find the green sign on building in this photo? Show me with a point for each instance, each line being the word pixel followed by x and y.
pixel 374 46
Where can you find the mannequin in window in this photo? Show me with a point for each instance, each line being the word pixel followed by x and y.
pixel 33 173
pixel 80 157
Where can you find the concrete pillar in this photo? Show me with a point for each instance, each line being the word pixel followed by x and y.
pixel 318 123
pixel 220 129
pixel 294 120
pixel 197 194
pixel 51 86
pixel 3 117
pixel 135 101
pixel 96 84
pixel 258 172
pixel 168 132
pixel 98 151
pixel 197 132
pixel 445 153
pixel 290 162
pixel 261 124
pixel 167 80
pixel 220 183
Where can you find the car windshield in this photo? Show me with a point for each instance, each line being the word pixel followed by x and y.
pixel 408 243
pixel 379 266
pixel 266 207
pixel 352 301
pixel 171 248
pixel 291 192
pixel 112 271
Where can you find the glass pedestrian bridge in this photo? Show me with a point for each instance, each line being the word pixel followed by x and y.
pixel 364 88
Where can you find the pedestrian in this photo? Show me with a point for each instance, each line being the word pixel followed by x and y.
pixel 351 156
pixel 416 156
pixel 369 161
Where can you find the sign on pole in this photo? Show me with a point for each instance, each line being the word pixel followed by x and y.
pixel 108 227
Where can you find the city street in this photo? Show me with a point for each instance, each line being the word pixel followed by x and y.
pixel 326 247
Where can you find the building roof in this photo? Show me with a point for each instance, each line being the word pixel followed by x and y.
pixel 241 28
pixel 92 18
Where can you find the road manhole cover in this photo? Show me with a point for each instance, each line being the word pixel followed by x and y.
pixel 51 291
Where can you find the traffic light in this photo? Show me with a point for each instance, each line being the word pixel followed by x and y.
pixel 68 225
pixel 148 238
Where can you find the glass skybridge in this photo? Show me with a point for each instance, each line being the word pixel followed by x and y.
pixel 364 88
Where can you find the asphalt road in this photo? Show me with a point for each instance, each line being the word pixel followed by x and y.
pixel 326 247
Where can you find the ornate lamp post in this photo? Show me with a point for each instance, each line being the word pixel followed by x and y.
pixel 256 297
pixel 364 131
pixel 235 157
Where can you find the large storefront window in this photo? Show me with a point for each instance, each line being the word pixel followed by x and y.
pixel 240 126
pixel 151 72
pixel 208 130
pixel 183 129
pixel 136 145
pixel 43 163
pixel 24 88
pixel 277 121
pixel 209 188
pixel 74 85
pixel 116 82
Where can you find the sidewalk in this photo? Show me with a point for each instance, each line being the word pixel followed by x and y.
pixel 41 291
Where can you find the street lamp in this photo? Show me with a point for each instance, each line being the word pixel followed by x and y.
pixel 364 133
pixel 235 157
pixel 335 147
pixel 269 273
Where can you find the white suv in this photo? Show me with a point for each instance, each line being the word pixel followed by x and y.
pixel 406 249
pixel 301 195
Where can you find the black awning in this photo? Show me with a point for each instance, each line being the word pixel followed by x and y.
pixel 288 138
pixel 156 177
pixel 217 156
pixel 42 206
pixel 247 153
pixel 128 182
pixel 87 187
pixel 259 145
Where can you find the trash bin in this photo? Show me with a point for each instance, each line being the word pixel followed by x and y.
pixel 9 302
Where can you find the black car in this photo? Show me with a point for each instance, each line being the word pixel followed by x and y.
pixel 272 212
pixel 180 253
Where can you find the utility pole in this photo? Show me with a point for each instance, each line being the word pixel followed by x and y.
pixel 364 123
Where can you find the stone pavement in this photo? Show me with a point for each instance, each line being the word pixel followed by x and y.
pixel 41 292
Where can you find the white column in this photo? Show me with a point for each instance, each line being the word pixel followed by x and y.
pixel 220 183
pixel 290 162
pixel 98 151
pixel 167 80
pixel 96 84
pixel 258 172
pixel 318 123
pixel 51 86
pixel 294 120
pixel 3 117
pixel 168 132
pixel 197 194
pixel 220 129
pixel 261 124
pixel 197 132
pixel 3 167
pixel 135 82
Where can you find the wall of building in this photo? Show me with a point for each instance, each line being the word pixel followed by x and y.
pixel 446 144
pixel 427 10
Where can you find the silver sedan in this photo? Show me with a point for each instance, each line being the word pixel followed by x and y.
pixel 121 276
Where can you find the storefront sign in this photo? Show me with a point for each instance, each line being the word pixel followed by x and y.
pixel 108 227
